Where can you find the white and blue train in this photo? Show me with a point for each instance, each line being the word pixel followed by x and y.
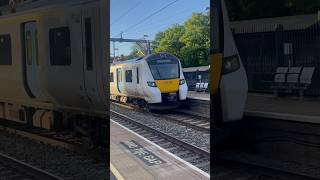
pixel 155 81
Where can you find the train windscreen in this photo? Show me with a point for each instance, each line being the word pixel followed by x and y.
pixel 162 69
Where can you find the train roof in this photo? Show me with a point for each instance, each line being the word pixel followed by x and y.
pixel 129 61
pixel 146 58
pixel 36 4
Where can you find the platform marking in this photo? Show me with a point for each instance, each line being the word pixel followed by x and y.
pixel 164 150
pixel 116 173
pixel 142 153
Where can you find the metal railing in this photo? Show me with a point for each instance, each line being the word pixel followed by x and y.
pixel 262 52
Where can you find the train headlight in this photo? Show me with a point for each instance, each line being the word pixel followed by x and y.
pixel 182 81
pixel 230 64
pixel 151 84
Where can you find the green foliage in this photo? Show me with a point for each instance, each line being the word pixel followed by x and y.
pixel 252 9
pixel 134 54
pixel 138 50
pixel 169 40
pixel 190 42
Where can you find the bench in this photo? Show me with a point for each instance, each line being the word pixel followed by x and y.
pixel 292 79
pixel 204 87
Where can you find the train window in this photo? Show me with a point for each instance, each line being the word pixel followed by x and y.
pixel 128 75
pixel 111 77
pixel 5 50
pixel 37 46
pixel 60 48
pixel 28 44
pixel 119 75
pixel 137 75
pixel 88 34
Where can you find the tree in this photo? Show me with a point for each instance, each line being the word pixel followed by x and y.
pixel 169 40
pixel 157 39
pixel 253 9
pixel 196 39
pixel 190 42
pixel 138 50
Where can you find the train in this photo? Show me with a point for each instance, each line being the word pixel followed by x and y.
pixel 154 82
pixel 229 84
pixel 54 64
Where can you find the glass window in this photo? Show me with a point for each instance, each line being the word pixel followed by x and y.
pixel 111 77
pixel 29 47
pixel 137 75
pixel 128 75
pixel 36 44
pixel 5 50
pixel 119 75
pixel 164 69
pixel 88 34
pixel 60 48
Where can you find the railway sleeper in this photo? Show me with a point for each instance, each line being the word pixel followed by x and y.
pixel 181 153
pixel 203 164
pixel 172 148
pixel 166 144
pixel 191 158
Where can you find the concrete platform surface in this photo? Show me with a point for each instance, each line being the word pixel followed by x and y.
pixel 199 95
pixel 287 108
pixel 269 106
pixel 136 158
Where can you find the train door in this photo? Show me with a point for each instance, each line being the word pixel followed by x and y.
pixel 89 27
pixel 31 60
pixel 120 83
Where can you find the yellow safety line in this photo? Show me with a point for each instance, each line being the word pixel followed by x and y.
pixel 116 173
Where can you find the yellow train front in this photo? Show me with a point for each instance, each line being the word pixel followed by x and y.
pixel 155 81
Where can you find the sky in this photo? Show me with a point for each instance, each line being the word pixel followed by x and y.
pixel 131 18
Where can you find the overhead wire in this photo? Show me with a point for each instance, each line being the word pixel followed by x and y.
pixel 150 16
pixel 164 19
pixel 158 25
pixel 126 13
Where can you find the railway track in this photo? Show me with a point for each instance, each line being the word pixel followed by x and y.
pixel 11 168
pixel 68 149
pixel 196 122
pixel 61 139
pixel 190 153
pixel 180 117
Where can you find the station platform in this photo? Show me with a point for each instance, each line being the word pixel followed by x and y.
pixel 132 157
pixel 269 106
pixel 286 108
pixel 205 96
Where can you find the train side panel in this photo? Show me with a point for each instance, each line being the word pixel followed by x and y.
pixel 63 81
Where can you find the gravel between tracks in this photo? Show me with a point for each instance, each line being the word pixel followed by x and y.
pixel 58 161
pixel 181 132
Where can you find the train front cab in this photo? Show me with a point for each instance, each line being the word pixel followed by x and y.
pixel 169 86
pixel 229 84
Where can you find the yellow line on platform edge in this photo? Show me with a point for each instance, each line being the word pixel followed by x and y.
pixel 116 173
